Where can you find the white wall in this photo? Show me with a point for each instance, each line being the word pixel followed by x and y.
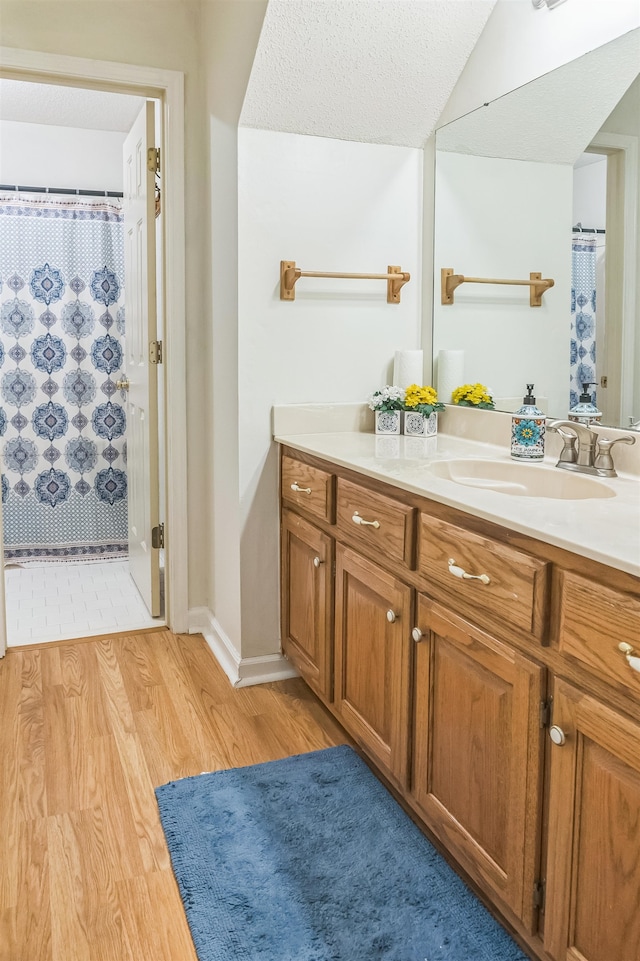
pixel 520 43
pixel 229 35
pixel 590 194
pixel 487 225
pixel 329 205
pixel 43 155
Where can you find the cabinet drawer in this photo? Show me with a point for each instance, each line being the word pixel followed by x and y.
pixel 381 525
pixel 593 621
pixel 516 593
pixel 308 488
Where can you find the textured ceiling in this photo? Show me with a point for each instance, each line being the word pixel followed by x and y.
pixel 552 119
pixel 373 71
pixel 67 106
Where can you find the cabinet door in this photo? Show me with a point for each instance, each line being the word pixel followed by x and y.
pixel 593 870
pixel 307 601
pixel 372 660
pixel 477 753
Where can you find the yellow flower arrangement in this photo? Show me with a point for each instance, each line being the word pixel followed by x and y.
pixel 473 395
pixel 424 400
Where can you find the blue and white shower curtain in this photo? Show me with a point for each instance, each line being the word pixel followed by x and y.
pixel 62 423
pixel 583 317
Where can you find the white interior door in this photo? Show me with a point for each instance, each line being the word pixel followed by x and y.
pixel 142 375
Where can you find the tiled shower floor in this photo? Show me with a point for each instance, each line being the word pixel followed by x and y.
pixel 63 601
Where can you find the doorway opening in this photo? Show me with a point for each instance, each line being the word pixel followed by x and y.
pixel 66 468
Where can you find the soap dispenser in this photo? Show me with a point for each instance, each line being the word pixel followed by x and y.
pixel 585 411
pixel 527 429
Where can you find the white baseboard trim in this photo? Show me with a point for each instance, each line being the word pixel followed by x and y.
pixel 241 671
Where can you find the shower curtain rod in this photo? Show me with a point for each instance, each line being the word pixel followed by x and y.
pixel 63 190
pixel 579 229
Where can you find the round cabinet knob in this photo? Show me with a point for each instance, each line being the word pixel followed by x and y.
pixel 317 562
pixel 122 384
pixel 557 735
pixel 417 634
pixel 391 616
pixel 632 656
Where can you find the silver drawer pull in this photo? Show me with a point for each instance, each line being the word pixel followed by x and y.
pixel 300 490
pixel 632 657
pixel 462 574
pixel 417 634
pixel 392 617
pixel 317 562
pixel 360 520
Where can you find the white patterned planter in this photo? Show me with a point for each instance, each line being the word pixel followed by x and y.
pixel 418 425
pixel 388 421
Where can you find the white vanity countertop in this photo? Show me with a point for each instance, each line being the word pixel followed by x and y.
pixel 604 529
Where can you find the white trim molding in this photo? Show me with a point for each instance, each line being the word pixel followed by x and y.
pixel 168 86
pixel 241 671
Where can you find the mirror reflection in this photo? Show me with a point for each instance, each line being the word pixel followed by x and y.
pixel 546 179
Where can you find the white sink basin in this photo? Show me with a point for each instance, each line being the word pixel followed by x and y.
pixel 520 480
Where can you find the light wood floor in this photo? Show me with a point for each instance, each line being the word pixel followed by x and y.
pixel 87 730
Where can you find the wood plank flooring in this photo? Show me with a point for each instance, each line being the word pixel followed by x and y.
pixel 87 730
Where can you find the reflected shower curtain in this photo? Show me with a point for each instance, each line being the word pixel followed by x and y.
pixel 62 426
pixel 583 317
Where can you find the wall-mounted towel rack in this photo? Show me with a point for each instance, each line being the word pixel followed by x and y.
pixel 290 274
pixel 449 282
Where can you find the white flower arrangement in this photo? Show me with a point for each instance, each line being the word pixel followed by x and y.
pixel 387 398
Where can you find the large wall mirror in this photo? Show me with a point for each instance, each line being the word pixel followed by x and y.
pixel 546 179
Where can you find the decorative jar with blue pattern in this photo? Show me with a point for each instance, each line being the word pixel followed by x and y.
pixel 527 429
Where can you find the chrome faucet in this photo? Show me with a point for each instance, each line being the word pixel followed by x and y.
pixel 585 451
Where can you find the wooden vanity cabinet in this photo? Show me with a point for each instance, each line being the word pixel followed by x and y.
pixel 478 751
pixel 455 687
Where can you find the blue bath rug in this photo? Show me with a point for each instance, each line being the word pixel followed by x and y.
pixel 311 859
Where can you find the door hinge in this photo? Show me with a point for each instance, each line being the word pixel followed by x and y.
pixel 157 536
pixel 153 159
pixel 155 352
pixel 545 712
pixel 539 894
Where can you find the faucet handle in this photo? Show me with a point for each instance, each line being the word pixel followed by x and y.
pixel 569 454
pixel 604 460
